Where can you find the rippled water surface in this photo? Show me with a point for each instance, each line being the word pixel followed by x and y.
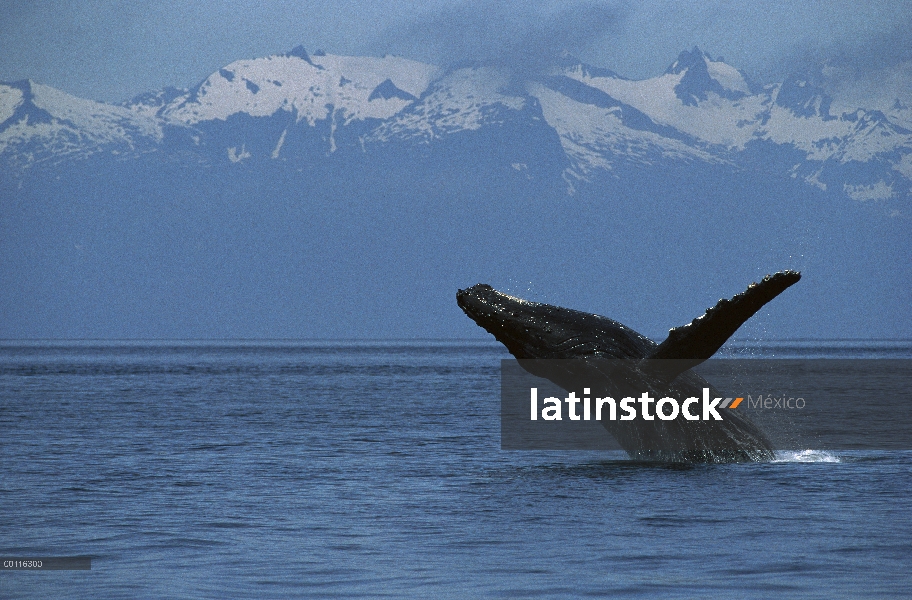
pixel 294 470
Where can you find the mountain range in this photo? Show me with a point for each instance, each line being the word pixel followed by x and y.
pixel 303 195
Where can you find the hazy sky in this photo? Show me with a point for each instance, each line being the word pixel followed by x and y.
pixel 112 50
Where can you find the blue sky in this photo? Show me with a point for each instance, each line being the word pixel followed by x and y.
pixel 112 50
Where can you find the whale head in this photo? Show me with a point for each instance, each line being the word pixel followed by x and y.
pixel 533 330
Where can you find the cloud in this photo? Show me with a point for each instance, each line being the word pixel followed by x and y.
pixel 870 67
pixel 522 37
pixel 855 52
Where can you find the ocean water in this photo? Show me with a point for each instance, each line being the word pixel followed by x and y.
pixel 374 470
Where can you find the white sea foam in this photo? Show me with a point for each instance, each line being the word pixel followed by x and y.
pixel 806 456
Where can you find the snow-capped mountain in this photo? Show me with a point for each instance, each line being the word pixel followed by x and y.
pixel 39 123
pixel 319 195
pixel 863 153
pixel 313 89
pixel 700 109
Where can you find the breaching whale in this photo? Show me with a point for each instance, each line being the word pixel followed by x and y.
pixel 615 360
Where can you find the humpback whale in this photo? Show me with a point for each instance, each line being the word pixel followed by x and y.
pixel 615 360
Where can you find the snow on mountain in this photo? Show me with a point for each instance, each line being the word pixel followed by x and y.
pixel 873 134
pixel 818 137
pixel 900 114
pixel 42 123
pixel 700 109
pixel 803 98
pixel 700 76
pixel 463 100
pixel 313 88
pixel 151 104
pixel 725 112
pixel 716 105
pixel 387 90
pixel 718 113
pixel 728 77
pixel 904 165
pixel 10 99
pixel 597 135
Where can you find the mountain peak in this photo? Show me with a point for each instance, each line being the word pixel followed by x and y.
pixel 387 89
pixel 19 106
pixel 687 60
pixel 803 97
pixel 568 62
pixel 299 52
pixel 26 86
pixel 157 98
pixel 700 75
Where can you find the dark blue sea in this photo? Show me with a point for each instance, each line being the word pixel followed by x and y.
pixel 305 469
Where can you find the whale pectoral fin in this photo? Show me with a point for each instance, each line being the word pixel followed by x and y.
pixel 697 341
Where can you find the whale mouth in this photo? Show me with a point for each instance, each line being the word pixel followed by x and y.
pixel 482 298
pixel 474 299
pixel 479 302
pixel 486 306
pixel 501 315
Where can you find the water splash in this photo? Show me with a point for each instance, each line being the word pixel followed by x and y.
pixel 806 456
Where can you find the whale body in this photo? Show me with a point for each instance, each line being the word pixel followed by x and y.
pixel 570 347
